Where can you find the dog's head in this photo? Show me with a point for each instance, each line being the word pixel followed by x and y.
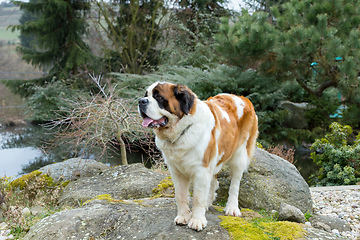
pixel 165 104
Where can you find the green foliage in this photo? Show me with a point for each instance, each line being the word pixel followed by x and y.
pixel 315 43
pixel 59 29
pixel 27 40
pixel 339 161
pixel 133 28
pixel 318 114
pixel 246 41
pixel 189 40
pixel 48 102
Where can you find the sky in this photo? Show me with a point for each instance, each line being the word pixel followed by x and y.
pixel 235 5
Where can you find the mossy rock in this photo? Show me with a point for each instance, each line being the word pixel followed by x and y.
pixel 106 197
pixel 31 177
pixel 164 189
pixel 261 229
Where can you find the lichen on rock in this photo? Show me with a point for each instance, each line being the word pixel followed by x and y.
pixel 164 189
pixel 22 181
pixel 106 197
pixel 261 228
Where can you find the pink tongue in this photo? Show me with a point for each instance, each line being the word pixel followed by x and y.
pixel 147 122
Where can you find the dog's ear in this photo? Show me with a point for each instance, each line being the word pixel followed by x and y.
pixel 185 97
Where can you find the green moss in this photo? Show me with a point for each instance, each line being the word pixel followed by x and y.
pixel 33 176
pixel 261 228
pixel 241 229
pixel 284 230
pixel 65 183
pixel 106 197
pixel 164 189
pixel 219 208
pixel 259 145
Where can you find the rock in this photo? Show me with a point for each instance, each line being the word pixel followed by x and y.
pixel 73 169
pixel 322 226
pixel 270 180
pixel 290 213
pixel 317 234
pixel 147 219
pixel 37 210
pixel 3 226
pixel 26 212
pixel 121 182
pixel 333 222
pixel 296 117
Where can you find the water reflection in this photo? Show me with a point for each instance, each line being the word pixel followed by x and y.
pixel 12 160
pixel 21 151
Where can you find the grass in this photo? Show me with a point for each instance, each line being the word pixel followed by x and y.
pixel 35 189
pixel 7 35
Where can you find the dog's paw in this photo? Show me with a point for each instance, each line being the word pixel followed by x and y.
pixel 232 211
pixel 197 223
pixel 182 219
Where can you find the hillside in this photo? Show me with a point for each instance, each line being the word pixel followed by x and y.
pixel 9 16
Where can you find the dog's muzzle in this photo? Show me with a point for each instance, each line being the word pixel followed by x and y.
pixel 147 121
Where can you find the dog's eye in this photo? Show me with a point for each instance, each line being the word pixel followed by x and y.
pixel 146 94
pixel 158 97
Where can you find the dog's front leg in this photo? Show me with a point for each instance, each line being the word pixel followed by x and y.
pixel 202 181
pixel 181 184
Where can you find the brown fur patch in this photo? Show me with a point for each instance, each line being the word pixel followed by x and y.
pixel 233 133
pixel 172 104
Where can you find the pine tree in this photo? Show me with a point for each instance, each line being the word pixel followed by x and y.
pixel 315 42
pixel 59 31
pixel 27 40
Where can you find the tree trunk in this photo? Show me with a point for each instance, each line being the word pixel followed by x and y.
pixel 122 148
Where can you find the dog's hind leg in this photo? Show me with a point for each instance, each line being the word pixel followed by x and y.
pixel 237 164
pixel 212 195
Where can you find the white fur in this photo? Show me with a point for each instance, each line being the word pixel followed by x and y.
pixel 183 146
pixel 240 105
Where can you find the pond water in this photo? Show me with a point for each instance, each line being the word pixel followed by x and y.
pixel 21 151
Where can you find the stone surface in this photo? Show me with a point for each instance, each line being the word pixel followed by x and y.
pixel 148 219
pixel 270 180
pixel 290 213
pixel 296 117
pixel 121 182
pixel 332 222
pixel 317 234
pixel 322 226
pixel 73 169
pixel 339 202
pixel 137 218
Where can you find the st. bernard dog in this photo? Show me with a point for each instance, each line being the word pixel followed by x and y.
pixel 196 138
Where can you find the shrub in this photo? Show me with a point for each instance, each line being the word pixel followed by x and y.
pixel 47 101
pixel 287 154
pixel 338 160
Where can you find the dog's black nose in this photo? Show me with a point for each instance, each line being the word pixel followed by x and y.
pixel 143 101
